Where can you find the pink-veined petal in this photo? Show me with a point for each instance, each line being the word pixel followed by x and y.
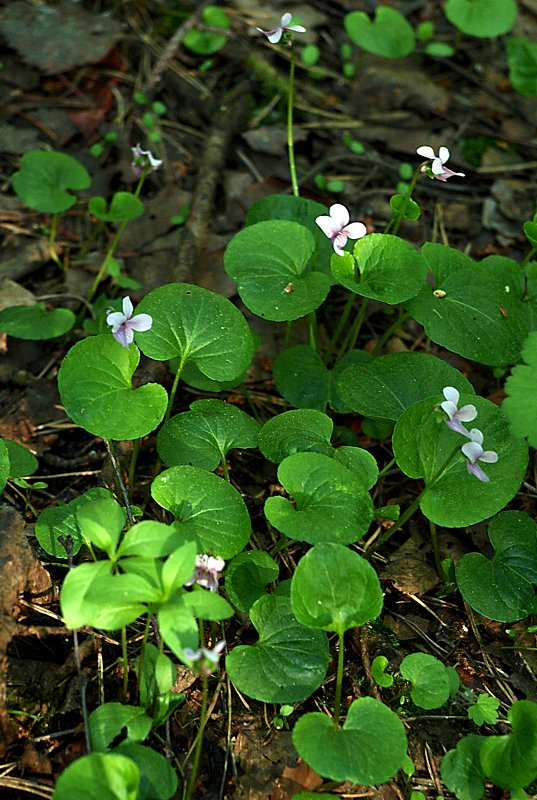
pixel 115 319
pixel 475 469
pixel 489 456
pixel 328 226
pixel 426 151
pixel 443 154
pixel 339 242
pixel 122 336
pixel 127 307
pixel 275 35
pixel 339 214
pixel 355 230
pixel 286 19
pixel 472 451
pixel 467 413
pixel 142 322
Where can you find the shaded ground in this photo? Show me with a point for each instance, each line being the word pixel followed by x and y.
pixel 219 156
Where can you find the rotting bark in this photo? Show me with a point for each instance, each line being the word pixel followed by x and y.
pixel 229 120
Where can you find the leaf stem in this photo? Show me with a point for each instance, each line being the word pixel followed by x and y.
pixel 354 331
pixel 125 657
pixel 290 139
pixel 339 327
pixel 121 484
pixel 52 240
pixel 339 678
pixel 142 655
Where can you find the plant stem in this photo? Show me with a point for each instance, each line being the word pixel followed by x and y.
pixel 52 240
pixel 125 657
pixel 403 315
pixel 339 678
pixel 115 241
pixel 224 467
pixel 132 465
pixel 173 390
pixel 405 516
pixel 312 320
pixel 398 217
pixel 189 788
pixel 436 551
pixel 142 655
pixel 529 255
pixel 121 484
pixel 339 328
pixel 290 139
pixel 354 331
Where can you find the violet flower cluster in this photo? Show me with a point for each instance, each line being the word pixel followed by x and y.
pixel 207 572
pixel 472 450
pixel 436 169
pixel 277 32
pixel 124 324
pixel 208 659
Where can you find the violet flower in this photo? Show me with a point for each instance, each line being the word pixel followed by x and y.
pixel 457 415
pixel 276 33
pixel 474 452
pixel 207 572
pixel 124 324
pixel 208 658
pixel 436 168
pixel 143 161
pixel 337 228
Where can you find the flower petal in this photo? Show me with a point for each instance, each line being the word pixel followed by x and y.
pixel 127 307
pixel 450 393
pixel 472 451
pixel 297 28
pixel 143 322
pixel 121 335
pixel 467 413
pixel 437 168
pixel 275 35
pixel 115 319
pixel 449 407
pixel 355 230
pixel 443 154
pixel 476 435
pixel 339 214
pixel 489 456
pixel 338 242
pixel 475 469
pixel 426 151
pixel 286 19
pixel 328 226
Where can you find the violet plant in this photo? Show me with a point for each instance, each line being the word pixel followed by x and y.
pixel 165 575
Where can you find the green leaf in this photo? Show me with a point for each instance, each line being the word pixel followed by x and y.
pixel 461 769
pixel 107 722
pixel 530 227
pixel 424 447
pixel 389 35
pixel 429 679
pixel 203 436
pixel 502 588
pixel 197 327
pixel 301 377
pixel 330 503
pixel 178 626
pixel 483 18
pixel 95 387
pixel 520 405
pixel 468 309
pixel 386 386
pixel 207 605
pixel 303 211
pixel 522 59
pixel 22 461
pixel 4 464
pixel 101 523
pixel 61 522
pixel 335 589
pixel 411 210
pixel 247 575
pixel 205 43
pixel 510 761
pixel 178 567
pixel 484 710
pixel 287 663
pixel 99 776
pixel 369 749
pixel 35 322
pixel 382 267
pixel 378 672
pixel 158 779
pixel 124 206
pixel 295 432
pixel 209 509
pixel 269 261
pixel 150 539
pixel 43 178
pixel 117 600
pixel 76 610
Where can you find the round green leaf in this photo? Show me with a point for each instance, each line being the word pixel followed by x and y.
pixel 461 769
pixel 510 761
pixel 483 18
pixel 295 432
pixel 107 722
pixel 301 377
pixel 269 261
pixel 101 523
pixel 502 588
pixel 522 59
pixel 99 776
pixel 335 589
pixel 330 502
pixel 208 508
pixel 384 387
pixel 43 178
pixel 205 43
pixel 61 522
pixel 423 446
pixel 22 461
pixel 196 326
pixel 520 405
pixel 203 436
pixel 369 749
pixel 430 685
pixel 246 577
pixel 287 663
pixel 35 322
pixel 383 267
pixel 388 35
pixel 158 779
pixel 95 387
pixel 405 205
pixel 124 206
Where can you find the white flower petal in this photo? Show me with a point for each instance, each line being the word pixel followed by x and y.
pixel 340 215
pixel 443 154
pixel 449 407
pixel 476 435
pixel 472 451
pixel 286 19
pixel 450 393
pixel 297 28
pixel 141 322
pixel 355 230
pixel 489 456
pixel 274 36
pixel 115 319
pixel 127 307
pixel 467 413
pixel 437 168
pixel 339 242
pixel 426 151
pixel 328 226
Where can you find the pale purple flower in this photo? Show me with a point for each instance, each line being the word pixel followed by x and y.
pixel 208 658
pixel 474 452
pixel 207 572
pixel 124 324
pixel 337 228
pixel 276 33
pixel 457 415
pixel 143 161
pixel 436 168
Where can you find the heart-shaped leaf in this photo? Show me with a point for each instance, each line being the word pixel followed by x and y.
pixel 330 504
pixel 158 779
pixel 295 432
pixel 301 377
pixel 520 405
pixel 430 680
pixel 461 769
pixel 383 267
pixel 22 461
pixel 124 206
pixel 270 263
pixel 369 749
pixel 386 386
pixel 35 322
pixel 425 447
pixel 203 436
pixel 510 761
pixel 287 663
pixel 95 386
pixel 107 722
pixel 335 589
pixel 389 35
pixel 483 18
pixel 209 509
pixel 246 577
pixel 106 776
pixel 43 178
pixel 196 326
pixel 522 59
pixel 61 522
pixel 502 588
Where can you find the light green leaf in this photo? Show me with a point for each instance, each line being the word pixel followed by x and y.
pixel 99 776
pixel 43 178
pixel 35 322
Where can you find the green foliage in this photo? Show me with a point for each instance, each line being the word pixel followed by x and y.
pixel 22 461
pixel 520 405
pixel 510 761
pixel 378 672
pixel 4 464
pixel 99 776
pixel 43 178
pixel 304 430
pixel 60 524
pixel 484 710
pixel 247 575
pixel 461 769
pixel 388 35
pixel 205 43
pixel 522 59
pixel 35 322
pixel 124 206
pixel 483 18
pixel 432 683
